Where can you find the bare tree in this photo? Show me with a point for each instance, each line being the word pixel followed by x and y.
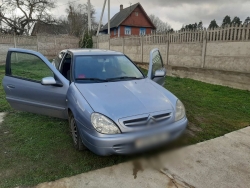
pixel 19 16
pixel 161 27
pixel 77 19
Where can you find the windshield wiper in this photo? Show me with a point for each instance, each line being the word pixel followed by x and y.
pixel 123 78
pixel 92 79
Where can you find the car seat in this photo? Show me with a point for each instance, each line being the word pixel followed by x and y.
pixel 111 70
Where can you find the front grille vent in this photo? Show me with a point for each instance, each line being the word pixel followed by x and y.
pixel 162 116
pixel 145 120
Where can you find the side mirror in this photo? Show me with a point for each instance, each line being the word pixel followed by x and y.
pixel 51 81
pixel 48 81
pixel 160 73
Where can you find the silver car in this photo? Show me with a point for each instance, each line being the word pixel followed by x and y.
pixel 112 107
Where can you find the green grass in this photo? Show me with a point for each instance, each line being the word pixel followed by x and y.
pixel 33 68
pixel 37 148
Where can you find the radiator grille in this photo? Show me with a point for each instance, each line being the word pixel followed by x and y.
pixel 144 121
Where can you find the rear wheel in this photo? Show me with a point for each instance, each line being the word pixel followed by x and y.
pixel 77 141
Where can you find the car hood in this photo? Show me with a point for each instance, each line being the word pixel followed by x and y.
pixel 125 98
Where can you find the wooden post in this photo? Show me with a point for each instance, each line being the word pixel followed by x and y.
pixel 204 49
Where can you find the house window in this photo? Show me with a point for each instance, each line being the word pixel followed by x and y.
pixel 136 13
pixel 142 31
pixel 114 31
pixel 127 30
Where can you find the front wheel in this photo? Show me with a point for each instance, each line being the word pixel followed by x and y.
pixel 77 141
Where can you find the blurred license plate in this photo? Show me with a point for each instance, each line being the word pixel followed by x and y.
pixel 151 140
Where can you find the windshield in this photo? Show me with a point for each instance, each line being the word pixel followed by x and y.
pixel 89 69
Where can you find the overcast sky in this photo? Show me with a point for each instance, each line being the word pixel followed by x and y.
pixel 175 12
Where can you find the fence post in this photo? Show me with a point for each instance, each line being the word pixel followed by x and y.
pixel 141 49
pixel 37 43
pixel 247 34
pixel 14 40
pixel 123 43
pixel 55 46
pixel 97 42
pixel 167 49
pixel 228 30
pixel 109 42
pixel 204 49
pixel 243 32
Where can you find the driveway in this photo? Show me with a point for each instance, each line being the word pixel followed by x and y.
pixel 221 162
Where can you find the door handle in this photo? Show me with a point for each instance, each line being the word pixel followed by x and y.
pixel 10 86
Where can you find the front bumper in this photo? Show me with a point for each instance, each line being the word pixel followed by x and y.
pixel 124 143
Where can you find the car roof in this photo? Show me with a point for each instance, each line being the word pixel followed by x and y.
pixel 85 51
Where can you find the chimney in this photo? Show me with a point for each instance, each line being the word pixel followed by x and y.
pixel 121 7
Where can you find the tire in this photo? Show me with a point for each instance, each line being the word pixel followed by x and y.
pixel 77 141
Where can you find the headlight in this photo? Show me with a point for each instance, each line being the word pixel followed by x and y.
pixel 104 125
pixel 180 111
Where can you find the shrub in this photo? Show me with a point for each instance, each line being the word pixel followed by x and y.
pixel 86 41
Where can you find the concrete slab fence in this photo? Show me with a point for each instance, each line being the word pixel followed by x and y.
pixel 48 45
pixel 218 56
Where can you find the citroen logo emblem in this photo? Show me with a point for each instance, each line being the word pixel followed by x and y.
pixel 151 120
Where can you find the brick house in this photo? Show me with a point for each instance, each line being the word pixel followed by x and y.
pixel 132 20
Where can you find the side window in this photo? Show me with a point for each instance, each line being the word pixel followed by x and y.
pixel 157 61
pixel 29 66
pixel 65 66
pixel 127 67
pixel 127 30
pixel 68 56
pixel 142 31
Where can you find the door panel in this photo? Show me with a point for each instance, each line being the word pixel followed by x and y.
pixel 156 63
pixel 22 84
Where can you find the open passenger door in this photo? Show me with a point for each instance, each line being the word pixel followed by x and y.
pixel 156 71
